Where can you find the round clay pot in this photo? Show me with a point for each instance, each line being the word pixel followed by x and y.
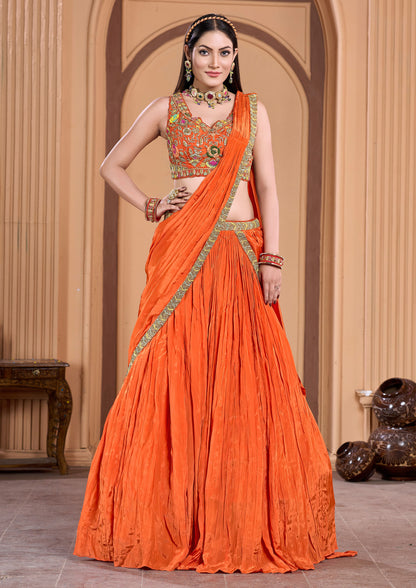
pixel 394 402
pixel 395 450
pixel 355 461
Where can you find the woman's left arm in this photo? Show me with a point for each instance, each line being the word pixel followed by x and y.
pixel 264 176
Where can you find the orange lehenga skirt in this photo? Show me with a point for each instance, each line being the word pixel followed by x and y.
pixel 210 457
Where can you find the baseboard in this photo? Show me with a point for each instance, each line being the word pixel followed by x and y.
pixel 78 457
pixel 74 457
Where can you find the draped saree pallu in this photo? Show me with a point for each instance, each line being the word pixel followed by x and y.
pixel 210 458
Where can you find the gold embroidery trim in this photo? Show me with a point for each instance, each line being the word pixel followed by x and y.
pixel 240 225
pixel 180 293
pixel 245 244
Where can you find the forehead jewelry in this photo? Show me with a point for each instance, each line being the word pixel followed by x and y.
pixel 209 18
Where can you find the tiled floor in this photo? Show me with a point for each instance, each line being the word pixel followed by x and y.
pixel 39 514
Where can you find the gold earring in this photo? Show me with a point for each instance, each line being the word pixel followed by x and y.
pixel 188 70
pixel 231 72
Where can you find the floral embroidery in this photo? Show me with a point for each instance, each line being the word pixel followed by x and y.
pixel 174 118
pixel 194 147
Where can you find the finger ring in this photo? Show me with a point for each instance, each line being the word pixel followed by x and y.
pixel 172 194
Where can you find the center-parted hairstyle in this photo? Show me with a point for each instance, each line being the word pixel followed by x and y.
pixel 203 24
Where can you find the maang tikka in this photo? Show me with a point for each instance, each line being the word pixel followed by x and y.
pixel 188 70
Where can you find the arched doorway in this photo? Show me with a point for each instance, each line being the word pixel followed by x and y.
pixel 312 86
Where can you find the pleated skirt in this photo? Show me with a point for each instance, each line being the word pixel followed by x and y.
pixel 210 458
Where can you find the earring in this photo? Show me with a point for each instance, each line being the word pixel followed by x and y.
pixel 232 72
pixel 188 70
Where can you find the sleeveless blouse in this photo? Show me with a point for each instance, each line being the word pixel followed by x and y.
pixel 194 147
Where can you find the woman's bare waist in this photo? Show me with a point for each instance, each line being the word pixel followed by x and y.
pixel 241 208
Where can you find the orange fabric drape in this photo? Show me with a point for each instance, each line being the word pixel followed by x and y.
pixel 178 240
pixel 210 458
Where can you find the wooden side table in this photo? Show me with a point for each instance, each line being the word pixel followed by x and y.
pixel 29 378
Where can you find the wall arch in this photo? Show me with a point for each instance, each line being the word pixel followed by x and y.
pixel 117 81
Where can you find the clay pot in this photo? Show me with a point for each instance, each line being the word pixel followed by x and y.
pixel 395 452
pixel 355 461
pixel 394 402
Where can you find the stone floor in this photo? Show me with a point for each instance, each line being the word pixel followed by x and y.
pixel 39 514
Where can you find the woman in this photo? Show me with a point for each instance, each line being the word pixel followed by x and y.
pixel 210 458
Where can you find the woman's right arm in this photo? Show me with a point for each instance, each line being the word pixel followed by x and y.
pixel 149 125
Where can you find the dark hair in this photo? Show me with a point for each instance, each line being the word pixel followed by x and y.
pixel 211 24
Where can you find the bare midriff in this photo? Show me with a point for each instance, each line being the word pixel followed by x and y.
pixel 241 208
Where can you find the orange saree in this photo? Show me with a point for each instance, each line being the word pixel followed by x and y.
pixel 210 458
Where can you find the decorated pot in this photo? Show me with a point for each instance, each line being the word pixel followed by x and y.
pixel 355 461
pixel 395 450
pixel 394 402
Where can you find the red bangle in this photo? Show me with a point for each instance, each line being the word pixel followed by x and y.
pixel 270 259
pixel 150 209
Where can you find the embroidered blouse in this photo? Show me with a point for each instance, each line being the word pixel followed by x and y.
pixel 194 147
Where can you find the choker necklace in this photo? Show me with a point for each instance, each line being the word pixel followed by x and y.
pixel 210 97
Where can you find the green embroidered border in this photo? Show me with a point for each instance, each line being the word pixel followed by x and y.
pixel 180 293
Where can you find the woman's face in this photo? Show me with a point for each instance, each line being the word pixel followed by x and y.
pixel 211 57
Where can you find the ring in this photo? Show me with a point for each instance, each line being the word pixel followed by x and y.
pixel 172 194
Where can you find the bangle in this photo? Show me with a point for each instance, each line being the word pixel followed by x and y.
pixel 150 209
pixel 270 259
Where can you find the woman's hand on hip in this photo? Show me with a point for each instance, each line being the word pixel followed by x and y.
pixel 270 279
pixel 175 200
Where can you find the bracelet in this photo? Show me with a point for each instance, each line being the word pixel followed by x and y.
pixel 270 259
pixel 150 209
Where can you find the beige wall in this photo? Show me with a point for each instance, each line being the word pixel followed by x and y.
pixel 372 287
pixel 53 139
pixel 31 44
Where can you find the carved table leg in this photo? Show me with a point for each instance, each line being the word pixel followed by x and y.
pixel 64 410
pixel 53 424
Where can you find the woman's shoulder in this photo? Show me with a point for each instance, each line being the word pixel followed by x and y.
pixel 159 104
pixel 261 109
pixel 156 111
pixel 162 104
